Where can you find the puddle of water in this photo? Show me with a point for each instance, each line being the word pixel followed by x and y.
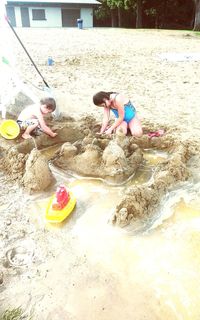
pixel 154 157
pixel 186 198
pixel 184 211
pixel 160 262
pixel 49 152
pixel 153 275
pixel 89 191
pixel 143 175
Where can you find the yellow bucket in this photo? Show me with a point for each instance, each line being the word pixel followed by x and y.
pixel 9 129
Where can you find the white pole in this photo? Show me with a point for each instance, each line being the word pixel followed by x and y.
pixel 11 84
pixel 5 56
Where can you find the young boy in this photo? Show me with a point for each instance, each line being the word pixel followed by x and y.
pixel 32 117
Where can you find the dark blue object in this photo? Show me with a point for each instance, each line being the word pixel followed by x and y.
pixel 80 23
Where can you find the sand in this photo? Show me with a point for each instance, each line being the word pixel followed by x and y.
pixel 158 70
pixel 127 61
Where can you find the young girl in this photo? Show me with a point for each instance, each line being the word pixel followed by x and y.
pixel 123 110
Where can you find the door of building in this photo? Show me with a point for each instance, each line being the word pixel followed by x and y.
pixel 25 17
pixel 11 15
pixel 69 17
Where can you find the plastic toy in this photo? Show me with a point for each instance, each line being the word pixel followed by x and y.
pixel 60 205
pixel 9 129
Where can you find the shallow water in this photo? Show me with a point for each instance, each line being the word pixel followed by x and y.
pixel 156 272
pixel 159 262
pixel 88 268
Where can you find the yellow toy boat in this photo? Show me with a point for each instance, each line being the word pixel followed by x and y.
pixel 57 216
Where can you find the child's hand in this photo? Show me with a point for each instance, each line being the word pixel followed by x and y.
pixel 109 131
pixel 54 134
pixel 99 133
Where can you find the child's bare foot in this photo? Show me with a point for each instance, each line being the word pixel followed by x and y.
pixel 26 136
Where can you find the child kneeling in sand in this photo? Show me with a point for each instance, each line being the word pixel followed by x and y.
pixel 32 117
pixel 123 110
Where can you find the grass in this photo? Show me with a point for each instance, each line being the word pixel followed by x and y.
pixel 14 314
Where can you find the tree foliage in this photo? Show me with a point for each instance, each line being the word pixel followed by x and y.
pixel 171 14
pixel 103 11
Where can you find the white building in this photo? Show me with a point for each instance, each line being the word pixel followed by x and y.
pixel 50 13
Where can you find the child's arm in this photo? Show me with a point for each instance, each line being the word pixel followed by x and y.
pixel 120 108
pixel 44 127
pixel 106 117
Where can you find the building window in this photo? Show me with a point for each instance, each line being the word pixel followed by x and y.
pixel 38 14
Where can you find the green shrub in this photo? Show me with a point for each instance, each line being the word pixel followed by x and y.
pixel 14 314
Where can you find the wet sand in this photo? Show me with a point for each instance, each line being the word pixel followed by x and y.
pixel 86 267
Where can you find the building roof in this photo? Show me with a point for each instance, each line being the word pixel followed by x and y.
pixel 54 1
